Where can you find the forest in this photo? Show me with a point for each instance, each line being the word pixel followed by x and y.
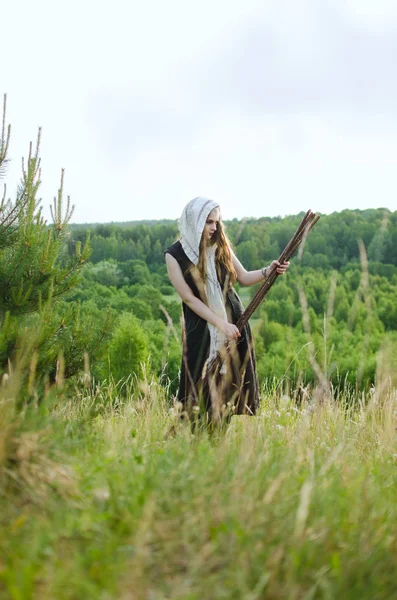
pixel 347 273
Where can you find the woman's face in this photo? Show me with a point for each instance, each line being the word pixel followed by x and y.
pixel 211 225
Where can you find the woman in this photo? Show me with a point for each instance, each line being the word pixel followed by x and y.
pixel 203 268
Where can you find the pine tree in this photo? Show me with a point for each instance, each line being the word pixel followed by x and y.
pixel 36 272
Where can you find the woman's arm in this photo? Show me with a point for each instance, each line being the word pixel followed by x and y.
pixel 202 310
pixel 252 277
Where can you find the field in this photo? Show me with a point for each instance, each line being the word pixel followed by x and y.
pixel 110 495
pixel 107 491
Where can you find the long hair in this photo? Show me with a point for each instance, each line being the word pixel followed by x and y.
pixel 223 256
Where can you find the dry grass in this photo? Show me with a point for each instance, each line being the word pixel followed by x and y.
pixel 299 502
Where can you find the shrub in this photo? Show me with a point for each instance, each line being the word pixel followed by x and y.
pixel 128 348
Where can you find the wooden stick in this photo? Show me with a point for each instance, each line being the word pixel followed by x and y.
pixel 303 230
pixel 305 226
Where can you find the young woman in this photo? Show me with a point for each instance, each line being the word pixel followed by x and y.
pixel 203 268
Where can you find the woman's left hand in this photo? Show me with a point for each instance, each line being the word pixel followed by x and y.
pixel 279 267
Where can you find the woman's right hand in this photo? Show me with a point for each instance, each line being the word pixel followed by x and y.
pixel 229 330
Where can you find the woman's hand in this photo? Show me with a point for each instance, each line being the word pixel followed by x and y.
pixel 277 266
pixel 229 330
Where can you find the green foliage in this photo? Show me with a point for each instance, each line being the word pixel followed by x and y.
pixel 128 349
pixel 131 257
pixel 165 352
pixel 106 273
pixel 331 245
pixel 347 323
pixel 135 271
pixel 36 273
pixel 295 503
pixel 32 265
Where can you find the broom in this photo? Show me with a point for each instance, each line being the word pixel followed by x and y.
pixel 305 226
pixel 211 376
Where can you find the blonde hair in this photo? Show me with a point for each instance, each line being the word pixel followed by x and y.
pixel 223 255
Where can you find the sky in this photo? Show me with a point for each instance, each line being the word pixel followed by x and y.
pixel 269 107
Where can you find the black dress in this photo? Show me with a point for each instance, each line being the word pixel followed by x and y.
pixel 240 389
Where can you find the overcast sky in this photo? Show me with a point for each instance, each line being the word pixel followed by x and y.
pixel 270 107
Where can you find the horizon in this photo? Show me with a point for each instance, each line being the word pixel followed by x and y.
pixel 137 221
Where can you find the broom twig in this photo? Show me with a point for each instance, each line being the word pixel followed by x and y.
pixel 304 228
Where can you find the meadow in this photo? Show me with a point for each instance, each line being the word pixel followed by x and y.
pixel 107 493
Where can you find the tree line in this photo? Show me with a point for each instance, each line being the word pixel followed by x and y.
pixel 332 244
pixel 351 299
pixel 97 297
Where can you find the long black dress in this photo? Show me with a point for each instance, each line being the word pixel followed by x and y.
pixel 240 389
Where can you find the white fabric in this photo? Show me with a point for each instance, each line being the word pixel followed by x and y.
pixel 215 302
pixel 191 226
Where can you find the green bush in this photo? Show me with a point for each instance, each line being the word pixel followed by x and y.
pixel 128 349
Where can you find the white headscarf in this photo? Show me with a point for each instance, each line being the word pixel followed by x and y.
pixel 191 226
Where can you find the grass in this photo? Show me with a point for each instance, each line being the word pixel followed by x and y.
pixel 108 498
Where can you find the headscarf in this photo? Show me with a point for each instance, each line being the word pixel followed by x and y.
pixel 191 226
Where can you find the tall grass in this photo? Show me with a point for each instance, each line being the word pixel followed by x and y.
pixel 104 495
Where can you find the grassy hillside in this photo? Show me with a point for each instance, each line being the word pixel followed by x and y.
pixel 107 499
